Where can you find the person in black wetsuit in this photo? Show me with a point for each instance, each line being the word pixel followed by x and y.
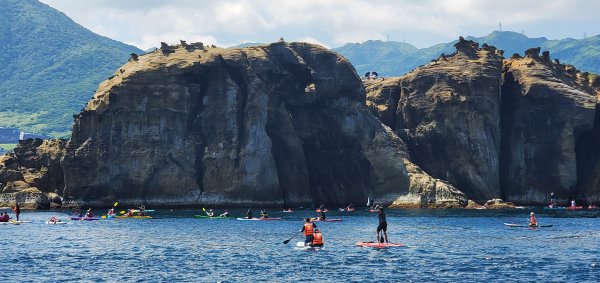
pixel 249 214
pixel 321 215
pixel 382 227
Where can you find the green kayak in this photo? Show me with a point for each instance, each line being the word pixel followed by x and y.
pixel 214 217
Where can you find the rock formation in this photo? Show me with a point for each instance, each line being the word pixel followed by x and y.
pixel 447 112
pixel 236 127
pixel 32 174
pixel 518 138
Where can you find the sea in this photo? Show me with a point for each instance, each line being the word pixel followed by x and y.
pixel 441 246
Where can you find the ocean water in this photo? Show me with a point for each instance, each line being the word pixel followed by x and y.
pixel 442 246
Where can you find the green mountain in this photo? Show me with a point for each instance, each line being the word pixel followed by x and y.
pixel 396 58
pixel 51 66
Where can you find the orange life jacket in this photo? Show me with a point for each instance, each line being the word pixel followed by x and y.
pixel 308 229
pixel 317 239
pixel 532 220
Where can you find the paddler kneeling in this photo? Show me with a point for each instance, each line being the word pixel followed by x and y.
pixel 129 213
pixel 317 240
pixel 532 220
pixel 308 230
pixel 264 214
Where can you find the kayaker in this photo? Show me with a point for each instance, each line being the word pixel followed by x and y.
pixel 111 212
pixel 129 213
pixel 141 213
pixel 54 220
pixel 224 214
pixel 17 210
pixel 210 213
pixel 321 215
pixel 322 208
pixel 532 219
pixel 308 230
pixel 382 227
pixel 249 214
pixel 350 207
pixel 552 200
pixel 89 213
pixel 4 217
pixel 573 203
pixel 317 240
pixel 264 214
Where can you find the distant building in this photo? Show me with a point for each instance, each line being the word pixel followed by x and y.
pixel 9 135
pixel 24 136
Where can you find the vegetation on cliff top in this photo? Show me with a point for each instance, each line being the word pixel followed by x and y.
pixel 51 66
pixel 396 58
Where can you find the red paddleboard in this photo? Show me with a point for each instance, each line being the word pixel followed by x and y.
pixel 378 245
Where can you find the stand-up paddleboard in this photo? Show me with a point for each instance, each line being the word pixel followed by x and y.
pixel 527 226
pixel 287 211
pixel 575 207
pixel 134 217
pixel 15 222
pixel 302 246
pixel 212 217
pixel 379 245
pixel 55 223
pixel 347 209
pixel 84 218
pixel 326 220
pixel 258 219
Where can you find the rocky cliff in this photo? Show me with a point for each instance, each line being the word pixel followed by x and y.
pixel 279 124
pixel 515 129
pixel 448 113
pixel 32 174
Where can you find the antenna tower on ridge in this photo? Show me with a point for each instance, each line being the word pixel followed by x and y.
pixel 500 26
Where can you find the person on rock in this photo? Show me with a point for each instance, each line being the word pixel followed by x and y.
pixel 264 214
pixel 317 240
pixel 382 227
pixel 17 210
pixel 532 220
pixel 308 229
pixel 249 214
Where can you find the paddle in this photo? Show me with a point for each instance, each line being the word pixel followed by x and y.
pixel 288 240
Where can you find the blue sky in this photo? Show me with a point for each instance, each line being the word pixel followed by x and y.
pixel 145 23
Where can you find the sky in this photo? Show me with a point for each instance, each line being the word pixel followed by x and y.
pixel 332 23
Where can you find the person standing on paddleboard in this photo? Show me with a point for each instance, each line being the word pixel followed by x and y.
pixel 17 210
pixel 308 230
pixel 382 227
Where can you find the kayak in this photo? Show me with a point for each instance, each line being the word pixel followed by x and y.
pixel 134 217
pixel 526 226
pixel 324 210
pixel 575 207
pixel 347 209
pixel 212 217
pixel 327 220
pixel 136 211
pixel 287 211
pixel 84 218
pixel 558 207
pixel 258 219
pixel 53 223
pixel 378 245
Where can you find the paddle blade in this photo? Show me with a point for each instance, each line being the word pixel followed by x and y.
pixel 116 203
pixel 286 241
pixel 122 211
pixel 103 216
pixel 204 209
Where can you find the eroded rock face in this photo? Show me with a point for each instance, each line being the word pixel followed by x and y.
pixel 280 124
pixel 448 113
pixel 32 172
pixel 548 112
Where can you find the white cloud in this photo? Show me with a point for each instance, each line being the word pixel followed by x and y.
pixel 145 23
